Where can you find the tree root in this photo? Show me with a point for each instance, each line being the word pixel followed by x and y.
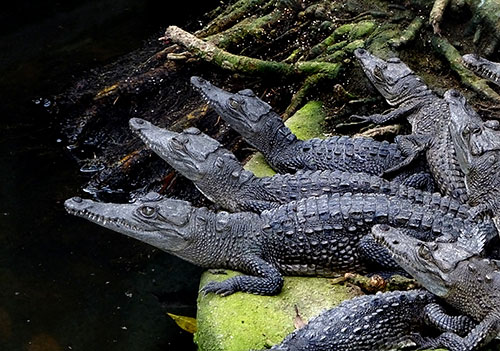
pixel 443 47
pixel 233 14
pixel 249 27
pixel 347 33
pixel 486 14
pixel 208 52
pixel 299 97
pixel 437 14
pixel 409 33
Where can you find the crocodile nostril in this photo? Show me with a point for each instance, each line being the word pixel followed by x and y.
pixel 77 199
pixel 384 227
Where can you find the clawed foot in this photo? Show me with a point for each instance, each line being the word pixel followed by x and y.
pixel 478 212
pixel 424 343
pixel 220 288
pixel 360 119
pixel 354 121
pixel 217 271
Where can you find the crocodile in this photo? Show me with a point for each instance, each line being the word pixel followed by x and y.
pixel 477 143
pixel 384 321
pixel 427 113
pixel 220 177
pixel 317 236
pixel 264 129
pixel 483 67
pixel 456 273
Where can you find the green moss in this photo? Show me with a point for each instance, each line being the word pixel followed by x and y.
pixel 258 165
pixel 362 29
pixel 307 122
pixel 245 321
pixel 343 30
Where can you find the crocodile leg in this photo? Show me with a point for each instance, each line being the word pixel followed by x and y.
pixel 412 146
pixel 267 280
pixel 421 180
pixel 437 317
pixel 481 335
pixel 394 115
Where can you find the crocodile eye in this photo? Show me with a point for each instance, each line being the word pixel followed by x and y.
pixel 433 246
pixel 234 104
pixel 425 253
pixel 147 211
pixel 178 142
pixel 378 72
pixel 471 129
pixel 492 159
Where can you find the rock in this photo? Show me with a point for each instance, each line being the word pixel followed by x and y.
pixel 244 321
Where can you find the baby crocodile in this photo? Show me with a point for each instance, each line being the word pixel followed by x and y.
pixel 384 321
pixel 478 149
pixel 428 115
pixel 322 236
pixel 264 129
pixel 220 177
pixel 456 273
pixel 482 67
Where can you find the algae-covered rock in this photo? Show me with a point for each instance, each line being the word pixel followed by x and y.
pixel 244 321
pixel 306 123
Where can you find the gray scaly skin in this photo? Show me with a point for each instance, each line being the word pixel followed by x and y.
pixel 478 150
pixel 483 67
pixel 264 129
pixel 219 176
pixel 427 113
pixel 321 236
pixel 372 323
pixel 456 273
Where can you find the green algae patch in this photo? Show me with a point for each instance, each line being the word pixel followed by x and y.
pixel 306 123
pixel 244 321
pixel 258 165
pixel 362 29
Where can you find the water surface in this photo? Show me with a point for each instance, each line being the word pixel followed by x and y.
pixel 67 284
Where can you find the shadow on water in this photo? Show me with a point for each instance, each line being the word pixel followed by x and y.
pixel 67 284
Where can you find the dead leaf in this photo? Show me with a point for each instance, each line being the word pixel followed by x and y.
pixel 298 322
pixel 185 323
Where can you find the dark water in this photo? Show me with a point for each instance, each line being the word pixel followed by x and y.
pixel 66 284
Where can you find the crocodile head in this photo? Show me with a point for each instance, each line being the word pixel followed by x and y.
pixel 244 111
pixel 430 263
pixel 482 67
pixel 194 154
pixel 477 145
pixel 392 78
pixel 161 222
pixel 468 129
